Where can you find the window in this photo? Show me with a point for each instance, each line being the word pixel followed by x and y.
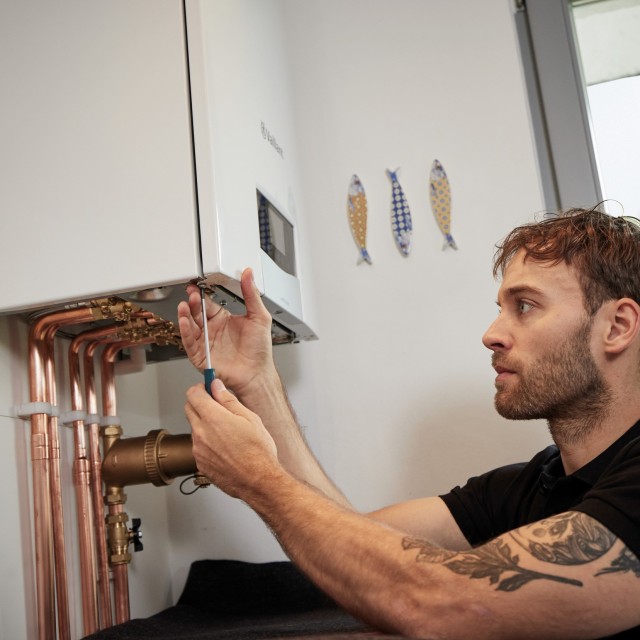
pixel 582 64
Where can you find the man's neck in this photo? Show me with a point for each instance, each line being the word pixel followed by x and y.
pixel 581 443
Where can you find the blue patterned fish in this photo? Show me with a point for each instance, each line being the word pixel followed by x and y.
pixel 440 194
pixel 400 215
pixel 357 208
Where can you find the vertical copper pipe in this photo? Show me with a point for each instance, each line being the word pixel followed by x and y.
pixel 120 571
pixel 104 586
pixel 121 581
pixel 55 484
pixel 40 362
pixel 82 479
pixel 43 530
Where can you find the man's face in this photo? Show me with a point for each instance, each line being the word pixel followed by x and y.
pixel 541 344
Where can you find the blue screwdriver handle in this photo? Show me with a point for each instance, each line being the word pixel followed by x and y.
pixel 209 372
pixel 209 377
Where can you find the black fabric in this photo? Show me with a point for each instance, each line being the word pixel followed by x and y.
pixel 232 600
pixel 607 489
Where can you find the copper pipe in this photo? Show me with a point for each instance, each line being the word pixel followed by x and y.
pixel 55 484
pixel 40 362
pixel 94 339
pixel 43 530
pixel 121 582
pixel 41 428
pixel 116 500
pixel 104 587
pixel 82 482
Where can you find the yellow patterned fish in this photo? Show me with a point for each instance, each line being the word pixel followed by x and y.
pixel 440 194
pixel 357 208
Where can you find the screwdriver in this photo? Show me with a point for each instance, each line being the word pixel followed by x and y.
pixel 209 372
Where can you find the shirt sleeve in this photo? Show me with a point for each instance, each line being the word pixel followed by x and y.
pixel 476 506
pixel 613 500
pixel 500 500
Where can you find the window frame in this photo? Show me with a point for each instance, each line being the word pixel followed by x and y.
pixel 558 104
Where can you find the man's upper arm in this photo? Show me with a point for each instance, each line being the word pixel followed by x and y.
pixel 563 577
pixel 427 518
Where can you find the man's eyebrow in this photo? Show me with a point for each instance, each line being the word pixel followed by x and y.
pixel 519 290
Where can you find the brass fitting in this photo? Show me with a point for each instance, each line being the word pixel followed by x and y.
pixel 158 458
pixel 110 435
pixel 118 538
pixel 114 495
pixel 166 334
pixel 113 308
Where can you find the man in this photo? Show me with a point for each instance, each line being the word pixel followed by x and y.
pixel 547 549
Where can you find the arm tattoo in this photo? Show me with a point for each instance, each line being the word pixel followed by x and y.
pixel 625 562
pixel 568 539
pixel 489 561
pixel 571 538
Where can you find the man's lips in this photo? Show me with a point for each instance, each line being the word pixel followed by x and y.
pixel 503 372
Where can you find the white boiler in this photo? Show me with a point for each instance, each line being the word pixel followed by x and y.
pixel 145 144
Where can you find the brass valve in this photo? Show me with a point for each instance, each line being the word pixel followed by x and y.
pixel 119 537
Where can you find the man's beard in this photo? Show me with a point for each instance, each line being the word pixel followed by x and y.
pixel 562 386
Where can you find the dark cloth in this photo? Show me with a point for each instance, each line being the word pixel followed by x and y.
pixel 233 600
pixel 607 489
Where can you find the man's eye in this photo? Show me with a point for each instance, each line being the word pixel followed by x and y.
pixel 524 307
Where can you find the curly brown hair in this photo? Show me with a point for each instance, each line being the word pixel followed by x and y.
pixel 604 251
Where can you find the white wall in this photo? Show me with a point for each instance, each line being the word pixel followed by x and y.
pixel 396 396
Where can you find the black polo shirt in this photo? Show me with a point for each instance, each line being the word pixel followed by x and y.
pixel 607 489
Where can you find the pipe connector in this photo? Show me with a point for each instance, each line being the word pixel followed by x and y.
pixel 113 309
pixel 110 435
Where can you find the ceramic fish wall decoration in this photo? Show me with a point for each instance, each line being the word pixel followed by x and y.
pixel 357 209
pixel 440 194
pixel 400 215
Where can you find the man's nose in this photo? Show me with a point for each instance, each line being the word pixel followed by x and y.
pixel 497 337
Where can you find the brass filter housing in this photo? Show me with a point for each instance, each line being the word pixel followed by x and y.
pixel 158 458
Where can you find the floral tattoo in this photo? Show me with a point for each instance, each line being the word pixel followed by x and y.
pixel 568 539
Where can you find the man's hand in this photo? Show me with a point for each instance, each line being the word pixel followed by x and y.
pixel 240 345
pixel 230 445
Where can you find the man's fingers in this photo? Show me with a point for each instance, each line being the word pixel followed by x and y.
pixel 225 401
pixel 251 295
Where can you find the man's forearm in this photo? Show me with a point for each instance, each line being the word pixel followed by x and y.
pixel 353 559
pixel 267 397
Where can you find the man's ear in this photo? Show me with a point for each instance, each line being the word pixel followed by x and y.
pixel 622 324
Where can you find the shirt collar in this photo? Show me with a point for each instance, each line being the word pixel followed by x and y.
pixel 591 471
pixel 553 470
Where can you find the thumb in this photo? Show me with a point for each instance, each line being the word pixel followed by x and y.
pixel 226 399
pixel 252 299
